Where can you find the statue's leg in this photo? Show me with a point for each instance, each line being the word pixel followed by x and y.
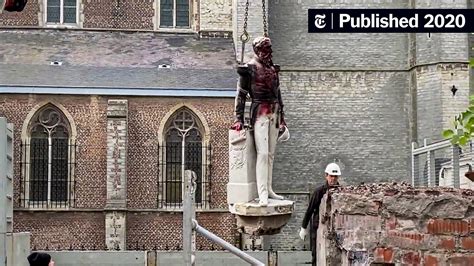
pixel 272 142
pixel 261 144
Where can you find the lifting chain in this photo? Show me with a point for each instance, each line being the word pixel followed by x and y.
pixel 264 15
pixel 244 38
pixel 245 35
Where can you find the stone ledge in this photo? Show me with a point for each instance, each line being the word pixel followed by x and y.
pixel 275 207
pixel 254 219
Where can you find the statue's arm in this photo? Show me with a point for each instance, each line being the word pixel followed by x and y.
pixel 280 100
pixel 243 89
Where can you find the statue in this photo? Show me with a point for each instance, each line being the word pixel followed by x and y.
pixel 259 79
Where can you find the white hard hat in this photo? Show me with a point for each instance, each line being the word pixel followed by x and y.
pixel 284 135
pixel 333 169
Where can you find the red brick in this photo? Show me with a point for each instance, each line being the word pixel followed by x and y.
pixel 411 258
pixel 447 226
pixel 472 226
pixel 467 243
pixel 434 259
pixel 448 243
pixel 163 230
pixel 406 235
pixel 404 240
pixel 383 255
pixel 461 260
pixel 62 230
pixel 431 260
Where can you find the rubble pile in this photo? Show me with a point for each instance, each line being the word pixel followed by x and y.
pixel 397 223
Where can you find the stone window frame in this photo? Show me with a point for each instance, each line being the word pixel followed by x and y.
pixel 25 160
pixel 192 6
pixel 205 132
pixel 61 24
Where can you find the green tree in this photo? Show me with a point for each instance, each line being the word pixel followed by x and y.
pixel 463 126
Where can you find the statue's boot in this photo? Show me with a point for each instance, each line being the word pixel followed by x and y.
pixel 272 194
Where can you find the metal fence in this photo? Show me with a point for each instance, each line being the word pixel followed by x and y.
pixel 441 164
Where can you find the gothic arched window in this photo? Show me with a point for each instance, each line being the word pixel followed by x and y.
pixel 47 160
pixel 182 149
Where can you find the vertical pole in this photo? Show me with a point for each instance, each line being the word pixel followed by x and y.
pixel 425 179
pixel 189 214
pixel 431 168
pixel 412 164
pixel 50 163
pixel 456 180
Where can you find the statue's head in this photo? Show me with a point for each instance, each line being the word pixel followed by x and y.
pixel 262 46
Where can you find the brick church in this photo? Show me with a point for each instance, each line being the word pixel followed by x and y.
pixel 112 100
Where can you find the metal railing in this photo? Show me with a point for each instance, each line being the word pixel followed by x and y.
pixel 441 164
pixel 191 226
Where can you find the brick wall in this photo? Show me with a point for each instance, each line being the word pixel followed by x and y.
pixel 62 230
pixel 89 117
pixel 89 114
pixel 163 231
pixel 136 14
pixel 28 17
pixel 294 47
pixel 145 116
pixel 128 14
pixel 358 119
pixel 389 223
pixel 436 105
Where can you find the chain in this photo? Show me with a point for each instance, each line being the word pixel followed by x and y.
pixel 246 15
pixel 265 29
pixel 245 35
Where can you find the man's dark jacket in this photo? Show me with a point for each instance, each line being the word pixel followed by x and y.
pixel 313 208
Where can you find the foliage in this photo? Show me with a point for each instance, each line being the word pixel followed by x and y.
pixel 463 126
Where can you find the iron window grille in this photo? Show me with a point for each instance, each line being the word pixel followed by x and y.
pixel 183 149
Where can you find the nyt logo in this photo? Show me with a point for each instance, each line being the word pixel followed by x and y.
pixel 319 21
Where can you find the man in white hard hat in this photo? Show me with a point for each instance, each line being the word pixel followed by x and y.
pixel 332 173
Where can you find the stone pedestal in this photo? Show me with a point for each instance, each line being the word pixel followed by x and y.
pixel 242 195
pixel 253 219
pixel 242 186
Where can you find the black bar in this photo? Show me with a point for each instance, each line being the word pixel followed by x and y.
pixel 390 20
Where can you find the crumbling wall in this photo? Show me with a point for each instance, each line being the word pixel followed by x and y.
pixel 393 224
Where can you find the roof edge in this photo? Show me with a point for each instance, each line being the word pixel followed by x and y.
pixel 170 92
